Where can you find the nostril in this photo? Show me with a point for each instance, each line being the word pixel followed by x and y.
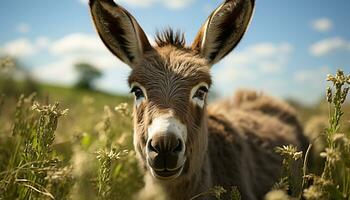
pixel 151 147
pixel 178 147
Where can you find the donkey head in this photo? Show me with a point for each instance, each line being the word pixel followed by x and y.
pixel 170 81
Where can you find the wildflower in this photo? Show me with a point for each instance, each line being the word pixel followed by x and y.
pixel 123 109
pixel 313 193
pixel 290 151
pixel 340 77
pixel 104 174
pixel 235 194
pixel 49 109
pixel 331 78
pixel 276 195
pixel 103 128
pixel 331 155
pixel 339 137
pixel 217 191
pixel 7 63
pixel 282 184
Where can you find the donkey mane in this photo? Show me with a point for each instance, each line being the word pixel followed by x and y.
pixel 170 37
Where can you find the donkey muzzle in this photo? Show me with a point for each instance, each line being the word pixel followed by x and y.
pixel 165 147
pixel 165 155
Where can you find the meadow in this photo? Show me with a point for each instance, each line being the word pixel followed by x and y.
pixel 68 143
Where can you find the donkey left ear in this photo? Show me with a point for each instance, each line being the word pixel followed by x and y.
pixel 119 31
pixel 223 29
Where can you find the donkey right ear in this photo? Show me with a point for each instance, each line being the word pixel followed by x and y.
pixel 119 31
pixel 223 29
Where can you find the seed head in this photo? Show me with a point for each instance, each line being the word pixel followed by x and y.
pixel 344 94
pixel 289 151
pixel 329 94
pixel 330 77
pixel 276 195
pixel 331 155
pixel 313 192
pixel 217 191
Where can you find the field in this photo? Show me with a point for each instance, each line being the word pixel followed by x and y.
pixel 81 147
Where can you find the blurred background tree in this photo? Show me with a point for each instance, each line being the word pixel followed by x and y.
pixel 87 75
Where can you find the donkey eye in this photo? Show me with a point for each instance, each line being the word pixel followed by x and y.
pixel 137 92
pixel 201 93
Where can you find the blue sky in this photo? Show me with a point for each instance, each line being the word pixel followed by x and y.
pixel 288 50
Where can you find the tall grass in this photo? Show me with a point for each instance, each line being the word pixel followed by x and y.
pixel 92 157
pixel 334 180
pixel 32 166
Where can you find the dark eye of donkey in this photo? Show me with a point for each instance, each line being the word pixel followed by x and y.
pixel 137 92
pixel 200 93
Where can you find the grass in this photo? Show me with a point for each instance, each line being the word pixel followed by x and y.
pixel 78 149
pixel 333 182
pixel 82 148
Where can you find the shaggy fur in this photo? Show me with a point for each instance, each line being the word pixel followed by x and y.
pixel 229 143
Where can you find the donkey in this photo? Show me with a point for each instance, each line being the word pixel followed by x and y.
pixel 185 146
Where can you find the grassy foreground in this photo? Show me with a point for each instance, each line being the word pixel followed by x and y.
pixel 78 149
pixel 82 148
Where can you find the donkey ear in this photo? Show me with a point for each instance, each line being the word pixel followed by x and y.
pixel 223 29
pixel 119 31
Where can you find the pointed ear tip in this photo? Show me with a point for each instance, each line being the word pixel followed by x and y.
pixel 102 2
pixel 91 2
pixel 253 2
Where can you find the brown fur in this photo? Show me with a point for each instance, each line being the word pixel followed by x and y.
pixel 229 143
pixel 237 135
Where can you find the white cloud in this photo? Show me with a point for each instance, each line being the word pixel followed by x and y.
pixel 138 3
pixel 23 28
pixel 21 47
pixel 62 72
pixel 58 72
pixel 76 43
pixel 177 4
pixel 322 25
pixel 171 4
pixel 84 47
pixel 81 47
pixel 329 45
pixel 316 75
pixel 42 42
pixel 258 66
pixel 264 57
pixel 309 84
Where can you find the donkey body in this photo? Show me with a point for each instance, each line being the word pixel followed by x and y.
pixel 185 146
